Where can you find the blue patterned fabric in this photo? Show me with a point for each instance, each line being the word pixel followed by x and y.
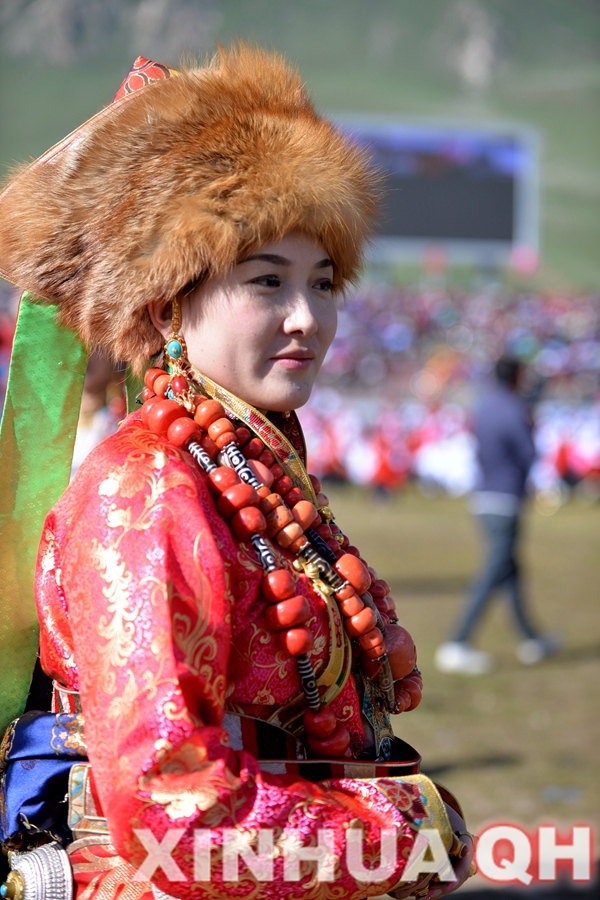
pixel 36 756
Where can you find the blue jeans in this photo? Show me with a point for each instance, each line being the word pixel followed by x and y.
pixel 500 570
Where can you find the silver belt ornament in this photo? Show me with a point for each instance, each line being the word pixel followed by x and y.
pixel 41 874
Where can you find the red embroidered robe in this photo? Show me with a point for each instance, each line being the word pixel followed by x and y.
pixel 153 612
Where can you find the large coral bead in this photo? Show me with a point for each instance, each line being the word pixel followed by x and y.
pixel 353 570
pixel 401 651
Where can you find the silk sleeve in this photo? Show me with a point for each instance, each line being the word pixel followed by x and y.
pixel 146 575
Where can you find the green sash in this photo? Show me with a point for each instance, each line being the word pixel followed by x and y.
pixel 37 435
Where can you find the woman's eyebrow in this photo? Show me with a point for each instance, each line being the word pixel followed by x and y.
pixel 324 264
pixel 268 257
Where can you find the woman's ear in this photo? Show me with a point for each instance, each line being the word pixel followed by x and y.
pixel 160 312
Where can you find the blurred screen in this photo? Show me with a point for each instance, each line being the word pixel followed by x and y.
pixel 447 184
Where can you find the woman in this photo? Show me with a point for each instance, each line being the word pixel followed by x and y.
pixel 199 608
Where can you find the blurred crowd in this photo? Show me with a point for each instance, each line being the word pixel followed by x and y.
pixel 396 393
pixel 395 396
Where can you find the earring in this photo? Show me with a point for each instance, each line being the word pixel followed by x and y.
pixel 175 348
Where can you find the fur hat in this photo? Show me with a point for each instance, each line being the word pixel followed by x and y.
pixel 175 182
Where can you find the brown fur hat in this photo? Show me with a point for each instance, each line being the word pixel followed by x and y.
pixel 176 182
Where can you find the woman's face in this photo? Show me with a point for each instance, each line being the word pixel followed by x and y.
pixel 263 330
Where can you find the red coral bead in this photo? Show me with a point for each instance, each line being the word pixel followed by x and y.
pixel 381 604
pixel 145 410
pixel 297 545
pixel 401 651
pixel 266 458
pixel 254 448
pixel 242 436
pixel 209 446
pixel 208 412
pixel 162 415
pixel 372 573
pixel 322 499
pixel 332 746
pixel 248 521
pixel 222 478
pixel 150 375
pixel 377 651
pixel 352 606
pixel 268 504
pixel 179 384
pixel 161 383
pixel 283 485
pixel 324 531
pixel 219 427
pixel 287 613
pixel 333 545
pixel 262 472
pixel 351 569
pixel 412 685
pixel 320 724
pixel 297 641
pixel 278 585
pixel 278 519
pixel 304 513
pixel 377 590
pixel 352 550
pixel 182 430
pixel 288 534
pixel 345 593
pixel 361 623
pixel 147 394
pixel 276 471
pixel 224 439
pixel 371 639
pixel 235 498
pixel 293 496
pixel 315 483
pixel 402 697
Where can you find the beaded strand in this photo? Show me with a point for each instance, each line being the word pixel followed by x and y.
pixel 259 501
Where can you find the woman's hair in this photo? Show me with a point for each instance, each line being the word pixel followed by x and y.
pixel 174 183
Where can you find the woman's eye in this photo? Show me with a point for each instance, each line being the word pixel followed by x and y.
pixel 325 285
pixel 271 281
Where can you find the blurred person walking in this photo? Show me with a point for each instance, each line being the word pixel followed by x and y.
pixel 505 454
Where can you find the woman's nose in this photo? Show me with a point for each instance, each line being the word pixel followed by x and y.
pixel 302 316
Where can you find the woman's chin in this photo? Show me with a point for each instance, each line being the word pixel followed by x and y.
pixel 282 400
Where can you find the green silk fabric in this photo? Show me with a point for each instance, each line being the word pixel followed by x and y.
pixel 37 436
pixel 133 387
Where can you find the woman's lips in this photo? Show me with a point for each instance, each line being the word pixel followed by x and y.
pixel 294 362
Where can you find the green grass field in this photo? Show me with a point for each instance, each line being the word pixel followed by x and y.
pixel 519 745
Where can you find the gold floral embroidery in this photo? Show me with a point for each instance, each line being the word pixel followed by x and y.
pixel 187 803
pixel 183 801
pixel 125 706
pixel 117 627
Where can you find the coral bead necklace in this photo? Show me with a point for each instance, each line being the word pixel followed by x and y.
pixel 262 504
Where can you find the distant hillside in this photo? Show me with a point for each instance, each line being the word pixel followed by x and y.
pixel 532 61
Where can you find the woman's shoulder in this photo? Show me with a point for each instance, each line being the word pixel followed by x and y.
pixel 134 462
